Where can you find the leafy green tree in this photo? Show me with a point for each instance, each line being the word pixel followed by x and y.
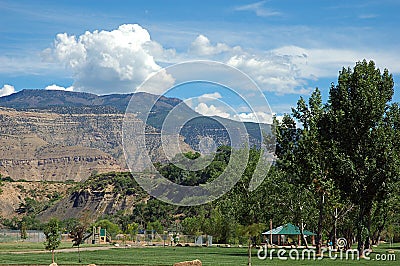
pixel 290 202
pixel 69 224
pixel 132 230
pixel 293 160
pixel 350 144
pixel 191 155
pixel 365 128
pixel 220 225
pixel 192 225
pixel 139 213
pixel 242 207
pixel 52 232
pixel 251 231
pixel 155 226
pixel 338 211
pixel 305 154
pixel 12 223
pixel 23 230
pixel 111 228
pixel 385 212
pixel 123 220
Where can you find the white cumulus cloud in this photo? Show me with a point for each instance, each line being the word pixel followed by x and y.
pixel 212 110
pixel 55 87
pixel 108 61
pixel 157 83
pixel 7 90
pixel 209 96
pixel 202 46
pixel 257 117
pixel 271 72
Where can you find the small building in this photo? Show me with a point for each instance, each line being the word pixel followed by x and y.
pixel 281 234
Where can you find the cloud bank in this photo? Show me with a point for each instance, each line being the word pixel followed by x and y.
pixel 118 61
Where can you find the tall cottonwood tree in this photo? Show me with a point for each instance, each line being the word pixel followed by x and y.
pixel 304 154
pixel 314 153
pixel 364 128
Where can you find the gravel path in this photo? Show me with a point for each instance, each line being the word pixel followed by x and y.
pixel 60 250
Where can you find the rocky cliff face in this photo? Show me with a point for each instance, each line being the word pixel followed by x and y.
pixel 59 147
pixel 45 146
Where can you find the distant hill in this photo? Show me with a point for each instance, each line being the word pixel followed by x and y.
pixel 54 99
pixel 46 98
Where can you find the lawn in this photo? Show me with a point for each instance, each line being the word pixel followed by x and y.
pixel 169 255
pixel 27 246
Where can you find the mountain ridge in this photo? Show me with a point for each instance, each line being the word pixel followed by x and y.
pixel 158 107
pixel 42 99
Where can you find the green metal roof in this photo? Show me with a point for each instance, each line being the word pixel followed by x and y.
pixel 288 229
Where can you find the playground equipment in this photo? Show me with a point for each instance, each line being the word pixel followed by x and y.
pixel 99 235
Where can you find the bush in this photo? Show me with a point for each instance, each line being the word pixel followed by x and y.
pixel 7 179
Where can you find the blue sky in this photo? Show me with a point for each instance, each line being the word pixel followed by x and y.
pixel 288 47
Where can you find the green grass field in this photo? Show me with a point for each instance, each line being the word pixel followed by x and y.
pixel 27 246
pixel 165 256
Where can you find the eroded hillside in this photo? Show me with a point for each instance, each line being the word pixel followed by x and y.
pixel 104 194
pixel 59 147
pixel 29 197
